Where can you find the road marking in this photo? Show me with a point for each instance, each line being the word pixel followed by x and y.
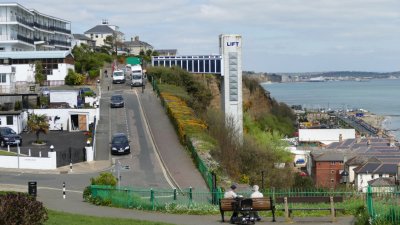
pixel 154 146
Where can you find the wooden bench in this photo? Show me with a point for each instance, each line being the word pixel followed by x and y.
pixel 259 204
pixel 310 199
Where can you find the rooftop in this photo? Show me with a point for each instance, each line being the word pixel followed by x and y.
pixel 36 54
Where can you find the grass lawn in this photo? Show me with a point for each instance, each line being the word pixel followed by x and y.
pixel 62 218
pixel 2 152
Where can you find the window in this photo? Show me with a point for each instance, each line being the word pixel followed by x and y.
pixel 97 36
pixel 332 171
pixel 332 180
pixel 333 163
pixel 3 78
pixel 10 120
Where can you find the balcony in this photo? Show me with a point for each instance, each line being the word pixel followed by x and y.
pixel 62 43
pixel 24 39
pixel 62 30
pixel 23 21
pixel 43 27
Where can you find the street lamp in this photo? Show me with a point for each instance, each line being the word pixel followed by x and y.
pixel 51 148
pixel 88 143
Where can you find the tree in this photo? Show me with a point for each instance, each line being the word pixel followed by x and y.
pixel 38 124
pixel 39 75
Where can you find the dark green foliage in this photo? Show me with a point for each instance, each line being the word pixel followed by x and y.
pixel 200 96
pixel 87 193
pixel 39 75
pixel 303 181
pixel 17 105
pixel 87 61
pixel 73 78
pixel 21 209
pixel 104 178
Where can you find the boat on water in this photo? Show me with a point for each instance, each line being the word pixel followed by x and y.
pixel 316 79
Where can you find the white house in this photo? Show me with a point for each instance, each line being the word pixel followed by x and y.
pixel 16 120
pixel 55 66
pixel 372 170
pixel 68 119
pixel 99 33
pixel 325 136
pixel 7 77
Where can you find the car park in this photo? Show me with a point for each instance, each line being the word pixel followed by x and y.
pixel 9 137
pixel 117 101
pixel 120 144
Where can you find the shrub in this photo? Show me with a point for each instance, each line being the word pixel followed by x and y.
pixel 73 78
pixel 94 73
pixel 21 209
pixel 105 178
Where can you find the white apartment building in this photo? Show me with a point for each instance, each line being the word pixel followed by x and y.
pixel 23 29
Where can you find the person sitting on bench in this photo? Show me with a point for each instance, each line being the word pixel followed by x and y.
pixel 232 194
pixel 256 194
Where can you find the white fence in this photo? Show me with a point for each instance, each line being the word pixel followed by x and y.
pixel 27 162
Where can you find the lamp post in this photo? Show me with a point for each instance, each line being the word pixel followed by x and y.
pixel 51 148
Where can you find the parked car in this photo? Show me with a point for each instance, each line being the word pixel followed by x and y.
pixel 117 101
pixel 44 91
pixel 120 144
pixel 87 92
pixel 9 137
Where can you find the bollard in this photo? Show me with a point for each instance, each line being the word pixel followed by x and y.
pixel 108 88
pixel 190 194
pixel 29 152
pixel 152 198
pixel 174 193
pixel 8 148
pixel 70 167
pixel 63 190
pixel 40 154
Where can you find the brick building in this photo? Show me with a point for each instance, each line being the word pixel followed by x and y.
pixel 326 168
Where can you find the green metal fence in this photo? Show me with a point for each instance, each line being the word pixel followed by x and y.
pixel 383 204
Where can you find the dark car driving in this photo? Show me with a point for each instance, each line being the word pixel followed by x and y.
pixel 120 144
pixel 9 137
pixel 117 101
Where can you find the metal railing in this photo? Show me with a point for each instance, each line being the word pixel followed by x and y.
pixel 383 204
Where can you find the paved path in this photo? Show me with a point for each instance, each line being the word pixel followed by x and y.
pixel 53 199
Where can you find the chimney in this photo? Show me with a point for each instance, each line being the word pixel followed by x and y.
pixel 136 38
pixel 358 138
pixel 340 137
pixel 391 141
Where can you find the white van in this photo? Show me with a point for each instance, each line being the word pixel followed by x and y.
pixel 118 77
pixel 137 76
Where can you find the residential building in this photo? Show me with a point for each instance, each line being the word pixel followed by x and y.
pixel 80 39
pixel 22 66
pixel 326 168
pixel 23 29
pixel 100 32
pixel 135 46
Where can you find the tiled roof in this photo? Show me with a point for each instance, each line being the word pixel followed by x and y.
pixel 100 29
pixel 81 37
pixel 382 181
pixel 36 54
pixel 329 156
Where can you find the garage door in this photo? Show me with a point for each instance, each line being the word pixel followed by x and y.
pixel 82 122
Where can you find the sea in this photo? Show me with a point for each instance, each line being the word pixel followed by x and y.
pixel 377 96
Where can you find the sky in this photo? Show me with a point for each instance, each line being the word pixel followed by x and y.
pixel 277 35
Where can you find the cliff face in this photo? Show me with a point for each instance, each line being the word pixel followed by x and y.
pixel 255 101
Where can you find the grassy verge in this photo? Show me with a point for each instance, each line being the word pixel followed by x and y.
pixel 6 153
pixel 61 218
